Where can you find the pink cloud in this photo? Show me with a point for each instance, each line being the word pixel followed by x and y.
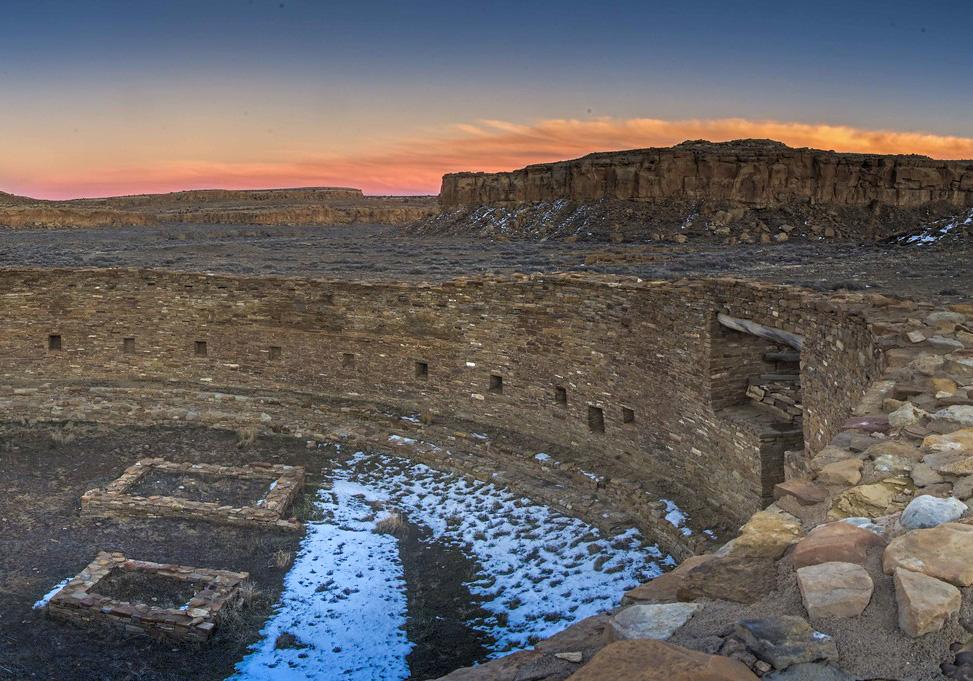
pixel 416 165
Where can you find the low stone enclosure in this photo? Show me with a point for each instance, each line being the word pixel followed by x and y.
pixel 281 485
pixel 208 591
pixel 624 379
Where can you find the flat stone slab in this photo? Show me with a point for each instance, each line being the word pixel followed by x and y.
pixel 925 603
pixel 944 552
pixel 835 589
pixel 651 620
pixel 284 483
pixel 835 542
pixel 785 640
pixel 77 601
pixel 649 660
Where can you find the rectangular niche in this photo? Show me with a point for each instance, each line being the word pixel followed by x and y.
pixel 105 593
pixel 596 419
pixel 496 383
pixel 255 495
pixel 275 352
pixel 561 395
pixel 422 370
pixel 628 415
pixel 200 348
pixel 128 345
pixel 348 360
pixel 54 341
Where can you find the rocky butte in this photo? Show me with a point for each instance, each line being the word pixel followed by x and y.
pixel 744 190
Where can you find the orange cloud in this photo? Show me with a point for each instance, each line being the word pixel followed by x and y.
pixel 416 165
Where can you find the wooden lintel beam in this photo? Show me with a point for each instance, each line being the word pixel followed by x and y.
pixel 768 332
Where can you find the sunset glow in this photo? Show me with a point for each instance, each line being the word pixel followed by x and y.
pixel 415 165
pixel 389 97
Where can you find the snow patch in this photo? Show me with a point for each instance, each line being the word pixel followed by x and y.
pixel 43 600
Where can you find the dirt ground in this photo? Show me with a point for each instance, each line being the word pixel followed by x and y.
pixel 375 252
pixel 43 540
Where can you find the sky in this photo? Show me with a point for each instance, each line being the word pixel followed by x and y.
pixel 99 97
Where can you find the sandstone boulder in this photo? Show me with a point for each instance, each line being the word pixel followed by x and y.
pixel 766 534
pixel 923 475
pixel 651 620
pixel 835 542
pixel 958 441
pixel 648 660
pixel 834 589
pixel 804 492
pixel 865 500
pixel 925 603
pixel 944 552
pixel 957 463
pixel 941 318
pixel 665 587
pixel 963 488
pixel 960 413
pixel 895 448
pixel 927 511
pixel 905 415
pixel 959 365
pixel 845 472
pixel 743 579
pixel 785 640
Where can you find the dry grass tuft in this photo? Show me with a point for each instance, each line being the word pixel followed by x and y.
pixel 246 436
pixel 282 559
pixel 235 616
pixel 393 524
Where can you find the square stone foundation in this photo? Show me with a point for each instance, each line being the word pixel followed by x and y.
pixel 283 482
pixel 194 622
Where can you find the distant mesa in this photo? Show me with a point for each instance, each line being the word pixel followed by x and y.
pixel 748 190
pixel 298 206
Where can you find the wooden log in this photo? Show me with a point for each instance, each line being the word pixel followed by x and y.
pixel 768 332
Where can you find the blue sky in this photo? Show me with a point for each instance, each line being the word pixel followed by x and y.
pixel 342 76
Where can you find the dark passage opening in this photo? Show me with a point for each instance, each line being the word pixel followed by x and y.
pixel 54 342
pixel 496 383
pixel 422 370
pixel 755 378
pixel 201 350
pixel 596 419
pixel 561 395
pixel 628 415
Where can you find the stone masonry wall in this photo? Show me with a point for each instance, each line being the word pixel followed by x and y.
pixel 488 351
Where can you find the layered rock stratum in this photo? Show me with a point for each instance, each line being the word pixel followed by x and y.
pixel 303 206
pixel 740 191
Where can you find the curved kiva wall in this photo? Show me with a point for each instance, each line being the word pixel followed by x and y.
pixel 641 352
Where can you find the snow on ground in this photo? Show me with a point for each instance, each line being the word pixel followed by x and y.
pixel 344 599
pixel 50 594
pixel 541 570
pixel 936 231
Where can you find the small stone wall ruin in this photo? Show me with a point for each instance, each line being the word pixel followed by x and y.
pixel 79 603
pixel 284 483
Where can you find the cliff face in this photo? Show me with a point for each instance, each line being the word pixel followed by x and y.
pixel 759 174
pixel 745 190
